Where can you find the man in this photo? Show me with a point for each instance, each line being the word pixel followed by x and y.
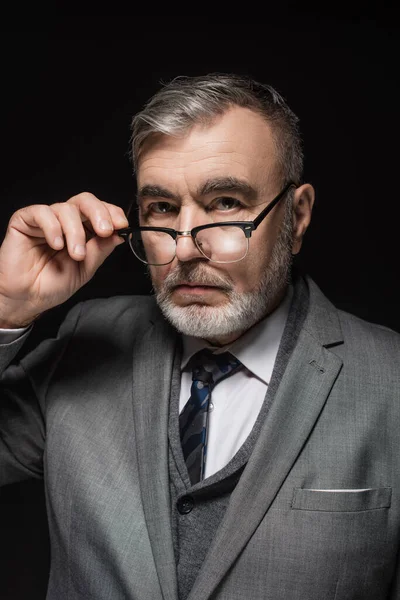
pixel 266 466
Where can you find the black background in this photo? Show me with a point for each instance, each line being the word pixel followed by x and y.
pixel 69 88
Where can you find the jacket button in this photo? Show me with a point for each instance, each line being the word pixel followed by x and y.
pixel 185 504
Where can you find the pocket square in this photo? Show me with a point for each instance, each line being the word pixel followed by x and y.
pixel 354 490
pixel 343 500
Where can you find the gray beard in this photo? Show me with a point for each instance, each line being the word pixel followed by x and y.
pixel 242 310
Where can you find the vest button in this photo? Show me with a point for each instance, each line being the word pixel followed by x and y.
pixel 185 505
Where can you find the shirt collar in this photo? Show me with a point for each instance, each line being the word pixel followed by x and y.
pixel 256 349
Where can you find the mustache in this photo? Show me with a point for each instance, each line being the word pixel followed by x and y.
pixel 187 273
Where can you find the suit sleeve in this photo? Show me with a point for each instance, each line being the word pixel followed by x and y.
pixel 23 387
pixel 10 335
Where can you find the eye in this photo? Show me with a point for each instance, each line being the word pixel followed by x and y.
pixel 160 208
pixel 225 203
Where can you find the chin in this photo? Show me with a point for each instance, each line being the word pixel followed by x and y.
pixel 208 321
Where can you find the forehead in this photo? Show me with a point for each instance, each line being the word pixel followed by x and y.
pixel 237 144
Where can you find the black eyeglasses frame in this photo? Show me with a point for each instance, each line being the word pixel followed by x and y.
pixel 247 226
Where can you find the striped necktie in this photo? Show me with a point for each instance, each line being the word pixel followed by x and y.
pixel 207 370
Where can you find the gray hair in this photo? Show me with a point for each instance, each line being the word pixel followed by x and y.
pixel 187 101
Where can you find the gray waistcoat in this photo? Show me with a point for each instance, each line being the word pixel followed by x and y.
pixel 197 510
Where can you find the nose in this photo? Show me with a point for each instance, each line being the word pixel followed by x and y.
pixel 190 216
pixel 186 248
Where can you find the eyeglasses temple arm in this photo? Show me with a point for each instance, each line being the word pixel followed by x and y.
pixel 271 205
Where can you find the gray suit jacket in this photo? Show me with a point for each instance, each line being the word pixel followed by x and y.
pixel 315 515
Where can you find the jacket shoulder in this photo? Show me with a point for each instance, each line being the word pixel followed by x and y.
pixel 113 308
pixel 115 317
pixel 348 335
pixel 371 352
pixel 373 336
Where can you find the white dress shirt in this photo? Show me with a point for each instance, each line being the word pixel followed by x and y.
pixel 7 336
pixel 236 400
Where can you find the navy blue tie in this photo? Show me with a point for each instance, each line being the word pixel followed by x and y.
pixel 208 370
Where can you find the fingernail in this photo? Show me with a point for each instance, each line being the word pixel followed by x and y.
pixel 79 249
pixel 58 241
pixel 105 225
pixel 123 221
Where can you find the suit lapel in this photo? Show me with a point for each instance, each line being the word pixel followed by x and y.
pixel 302 393
pixel 152 374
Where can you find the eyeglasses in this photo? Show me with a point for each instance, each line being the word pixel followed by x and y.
pixel 225 242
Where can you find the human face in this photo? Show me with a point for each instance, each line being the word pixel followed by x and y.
pixel 224 171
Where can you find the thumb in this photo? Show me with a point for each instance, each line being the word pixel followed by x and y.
pixel 97 250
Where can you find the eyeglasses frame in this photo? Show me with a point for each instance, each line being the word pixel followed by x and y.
pixel 246 226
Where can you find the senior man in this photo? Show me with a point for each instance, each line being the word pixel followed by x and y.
pixel 234 436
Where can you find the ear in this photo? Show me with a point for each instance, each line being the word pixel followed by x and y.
pixel 303 202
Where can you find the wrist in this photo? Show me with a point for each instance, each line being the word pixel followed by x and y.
pixel 15 325
pixel 11 319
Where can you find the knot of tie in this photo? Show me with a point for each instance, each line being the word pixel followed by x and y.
pixel 210 368
pixel 207 370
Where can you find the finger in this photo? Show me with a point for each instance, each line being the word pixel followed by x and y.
pixel 39 220
pixel 104 217
pixel 75 234
pixel 119 218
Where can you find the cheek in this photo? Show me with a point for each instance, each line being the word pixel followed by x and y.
pixel 246 274
pixel 158 274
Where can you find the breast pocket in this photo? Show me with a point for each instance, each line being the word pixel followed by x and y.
pixel 341 500
pixel 343 534
pixel 331 544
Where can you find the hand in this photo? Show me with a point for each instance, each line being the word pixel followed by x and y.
pixel 49 252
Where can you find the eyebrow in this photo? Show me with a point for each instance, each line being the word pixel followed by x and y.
pixel 216 184
pixel 228 185
pixel 155 191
